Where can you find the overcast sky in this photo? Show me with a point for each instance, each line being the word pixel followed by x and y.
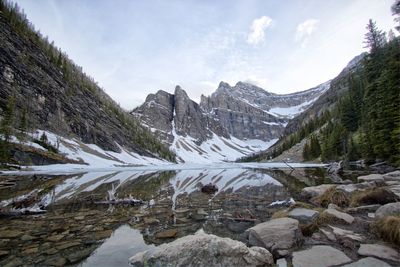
pixel 133 48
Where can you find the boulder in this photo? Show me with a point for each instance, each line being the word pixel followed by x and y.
pixel 341 216
pixel 314 191
pixel 350 188
pixel 319 256
pixel 379 251
pixel 392 176
pixel 203 249
pixel 388 210
pixel 276 234
pixel 371 178
pixel 304 216
pixel 209 189
pixel 368 262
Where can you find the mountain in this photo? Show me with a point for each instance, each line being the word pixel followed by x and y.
pixel 41 88
pixel 357 118
pixel 231 123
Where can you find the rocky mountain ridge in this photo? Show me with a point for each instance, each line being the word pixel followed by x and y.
pixel 243 118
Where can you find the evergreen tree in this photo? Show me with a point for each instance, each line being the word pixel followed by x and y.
pixel 374 38
pixel 8 120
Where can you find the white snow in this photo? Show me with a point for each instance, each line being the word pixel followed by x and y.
pixel 90 154
pixel 216 149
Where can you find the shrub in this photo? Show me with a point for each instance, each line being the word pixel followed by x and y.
pixel 334 196
pixel 389 229
pixel 376 195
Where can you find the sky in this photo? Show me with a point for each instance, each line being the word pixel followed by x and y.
pixel 136 47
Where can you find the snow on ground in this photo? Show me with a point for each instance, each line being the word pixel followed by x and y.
pixel 91 154
pixel 216 149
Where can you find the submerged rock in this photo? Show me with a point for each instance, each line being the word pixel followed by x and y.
pixel 203 249
pixel 209 189
pixel 276 234
pixel 321 256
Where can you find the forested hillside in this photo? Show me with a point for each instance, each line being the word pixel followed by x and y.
pixel 41 88
pixel 359 116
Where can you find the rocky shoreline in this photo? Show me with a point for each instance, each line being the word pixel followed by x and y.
pixel 346 224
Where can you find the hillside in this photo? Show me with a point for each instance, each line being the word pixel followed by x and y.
pixel 41 88
pixel 357 118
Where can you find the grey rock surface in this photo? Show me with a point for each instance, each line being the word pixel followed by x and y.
pixel 303 215
pixel 341 216
pixel 388 210
pixel 276 234
pixel 203 249
pixel 368 262
pixel 319 256
pixel 379 251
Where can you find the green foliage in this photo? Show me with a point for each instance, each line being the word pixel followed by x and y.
pixel 44 142
pixel 7 122
pixel 76 80
pixel 312 149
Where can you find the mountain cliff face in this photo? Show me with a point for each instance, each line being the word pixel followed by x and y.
pixel 231 123
pixel 51 93
pixel 248 111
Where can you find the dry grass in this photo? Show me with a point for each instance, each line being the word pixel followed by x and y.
pixel 280 214
pixel 334 196
pixel 389 229
pixel 376 195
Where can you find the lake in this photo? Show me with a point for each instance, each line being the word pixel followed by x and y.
pixel 103 217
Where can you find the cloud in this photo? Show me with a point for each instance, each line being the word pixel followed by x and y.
pixel 257 30
pixel 305 30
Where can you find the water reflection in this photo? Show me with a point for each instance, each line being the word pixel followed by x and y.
pixel 117 249
pixel 75 224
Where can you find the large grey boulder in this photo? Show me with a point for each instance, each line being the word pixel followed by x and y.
pixel 314 191
pixel 379 251
pixel 203 249
pixel 368 262
pixel 276 234
pixel 319 256
pixel 303 215
pixel 388 210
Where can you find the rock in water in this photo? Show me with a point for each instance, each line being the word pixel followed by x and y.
pixel 209 189
pixel 283 233
pixel 203 249
pixel 319 256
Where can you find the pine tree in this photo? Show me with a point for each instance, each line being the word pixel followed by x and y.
pixel 8 120
pixel 374 38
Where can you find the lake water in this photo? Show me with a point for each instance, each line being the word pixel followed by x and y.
pixel 81 228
